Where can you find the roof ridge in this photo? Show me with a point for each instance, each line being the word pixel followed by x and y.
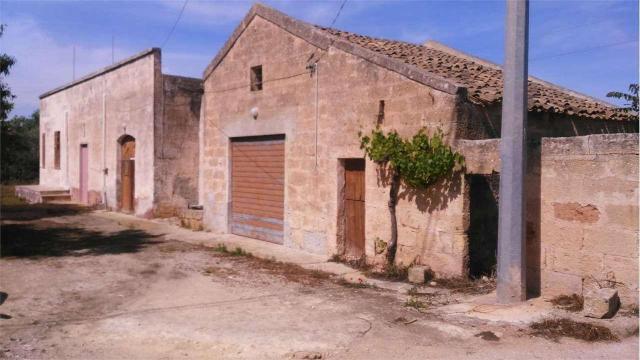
pixel 323 39
pixel 436 45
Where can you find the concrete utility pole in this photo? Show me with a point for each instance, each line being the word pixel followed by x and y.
pixel 511 286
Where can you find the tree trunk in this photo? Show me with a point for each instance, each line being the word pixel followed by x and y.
pixel 393 201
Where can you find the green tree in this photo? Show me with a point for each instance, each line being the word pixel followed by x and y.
pixel 631 98
pixel 6 97
pixel 418 163
pixel 19 149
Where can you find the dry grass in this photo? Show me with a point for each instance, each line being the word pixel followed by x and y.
pixel 554 329
pixel 290 272
pixel 573 302
pixel 358 285
pixel 467 286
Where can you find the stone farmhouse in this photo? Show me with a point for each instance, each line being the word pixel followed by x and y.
pixel 280 160
pixel 273 153
pixel 118 138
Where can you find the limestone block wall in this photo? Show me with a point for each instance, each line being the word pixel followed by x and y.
pixel 589 214
pixel 177 149
pixel 321 115
pixel 97 110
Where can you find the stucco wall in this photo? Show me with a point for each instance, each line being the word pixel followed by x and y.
pixel 589 213
pixel 348 90
pixel 121 100
pixel 176 139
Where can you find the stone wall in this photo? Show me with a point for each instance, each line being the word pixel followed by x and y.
pixel 478 122
pixel 582 210
pixel 176 139
pixel 589 214
pixel 103 106
pixel 340 99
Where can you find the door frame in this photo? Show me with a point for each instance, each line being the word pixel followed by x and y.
pixel 83 174
pixel 120 173
pixel 341 226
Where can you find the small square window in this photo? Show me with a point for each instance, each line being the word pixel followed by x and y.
pixel 256 78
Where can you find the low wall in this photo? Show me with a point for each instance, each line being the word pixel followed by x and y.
pixel 589 214
pixel 582 211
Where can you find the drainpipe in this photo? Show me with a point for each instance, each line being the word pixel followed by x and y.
pixel 104 149
pixel 316 139
pixel 66 152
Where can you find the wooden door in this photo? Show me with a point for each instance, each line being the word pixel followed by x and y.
pixel 354 207
pixel 257 188
pixel 84 174
pixel 127 182
pixel 127 174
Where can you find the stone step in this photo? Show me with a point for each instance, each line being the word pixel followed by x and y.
pixel 54 192
pixel 46 198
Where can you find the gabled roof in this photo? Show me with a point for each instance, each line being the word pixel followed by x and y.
pixel 431 64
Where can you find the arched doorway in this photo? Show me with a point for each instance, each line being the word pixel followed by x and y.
pixel 127 173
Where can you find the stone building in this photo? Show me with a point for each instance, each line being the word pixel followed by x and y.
pixel 280 160
pixel 124 137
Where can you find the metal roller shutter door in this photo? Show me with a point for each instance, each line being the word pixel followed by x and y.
pixel 257 193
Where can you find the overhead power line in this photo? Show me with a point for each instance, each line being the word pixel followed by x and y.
pixel 335 18
pixel 544 57
pixel 175 24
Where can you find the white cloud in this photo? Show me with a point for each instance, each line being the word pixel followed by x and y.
pixel 43 63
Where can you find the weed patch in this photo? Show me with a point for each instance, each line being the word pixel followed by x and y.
pixel 554 329
pixel 573 302
pixel 238 251
pixel 389 272
pixel 415 303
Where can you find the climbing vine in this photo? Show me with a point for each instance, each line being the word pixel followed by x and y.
pixel 417 163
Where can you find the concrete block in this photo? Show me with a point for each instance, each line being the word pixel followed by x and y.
pixel 601 303
pixel 417 274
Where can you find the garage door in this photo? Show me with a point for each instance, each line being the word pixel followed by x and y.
pixel 257 193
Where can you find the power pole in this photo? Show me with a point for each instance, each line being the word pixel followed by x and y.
pixel 511 283
pixel 113 40
pixel 74 63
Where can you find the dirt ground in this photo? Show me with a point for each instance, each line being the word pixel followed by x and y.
pixel 82 286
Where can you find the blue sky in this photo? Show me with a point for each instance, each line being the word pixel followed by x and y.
pixel 588 46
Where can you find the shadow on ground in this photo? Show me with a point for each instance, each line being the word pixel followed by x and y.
pixel 48 239
pixel 26 212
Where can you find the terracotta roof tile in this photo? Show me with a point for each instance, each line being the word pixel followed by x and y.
pixel 482 79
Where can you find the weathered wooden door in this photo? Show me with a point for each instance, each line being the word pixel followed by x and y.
pixel 84 174
pixel 127 174
pixel 257 188
pixel 354 207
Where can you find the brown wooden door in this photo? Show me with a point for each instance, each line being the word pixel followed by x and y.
pixel 354 207
pixel 84 174
pixel 127 173
pixel 127 181
pixel 257 188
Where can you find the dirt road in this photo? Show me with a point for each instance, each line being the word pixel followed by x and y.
pixel 82 286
